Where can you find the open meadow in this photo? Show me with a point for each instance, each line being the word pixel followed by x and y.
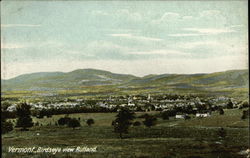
pixel 196 137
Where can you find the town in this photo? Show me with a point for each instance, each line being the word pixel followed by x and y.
pixel 178 105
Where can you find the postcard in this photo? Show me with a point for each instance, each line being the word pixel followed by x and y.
pixel 124 79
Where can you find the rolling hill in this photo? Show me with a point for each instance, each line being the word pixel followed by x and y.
pixel 233 81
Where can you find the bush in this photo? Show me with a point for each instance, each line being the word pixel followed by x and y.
pixel 6 127
pixel 165 115
pixel 245 114
pixel 90 122
pixel 230 104
pixel 150 121
pixel 73 123
pixel 187 117
pixel 63 121
pixel 221 111
pixel 136 123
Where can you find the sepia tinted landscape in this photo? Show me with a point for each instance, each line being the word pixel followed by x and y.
pixel 124 79
pixel 199 115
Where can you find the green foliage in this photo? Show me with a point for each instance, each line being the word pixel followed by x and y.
pixel 64 120
pixel 230 104
pixel 150 121
pixel 5 105
pixel 6 126
pixel 165 115
pixel 73 123
pixel 221 111
pixel 24 119
pixel 90 122
pixel 222 133
pixel 245 114
pixel 136 123
pixel 123 121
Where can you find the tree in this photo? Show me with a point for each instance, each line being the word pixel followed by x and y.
pixel 90 122
pixel 165 115
pixel 136 123
pixel 230 104
pixel 64 120
pixel 6 126
pixel 123 121
pixel 222 133
pixel 150 121
pixel 221 111
pixel 245 114
pixel 24 119
pixel 73 123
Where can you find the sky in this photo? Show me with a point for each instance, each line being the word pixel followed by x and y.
pixel 136 37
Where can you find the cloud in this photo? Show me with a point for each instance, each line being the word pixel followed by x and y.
pixel 202 32
pixel 19 25
pixel 184 34
pixel 210 13
pixel 12 46
pixel 209 30
pixel 214 48
pixel 191 45
pixel 130 36
pixel 44 44
pixel 236 26
pixel 166 18
pixel 169 16
pixel 160 52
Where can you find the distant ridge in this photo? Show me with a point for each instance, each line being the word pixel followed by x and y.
pixel 93 77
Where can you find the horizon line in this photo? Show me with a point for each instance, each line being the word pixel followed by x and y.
pixel 121 73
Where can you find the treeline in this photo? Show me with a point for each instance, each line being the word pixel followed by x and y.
pixel 50 112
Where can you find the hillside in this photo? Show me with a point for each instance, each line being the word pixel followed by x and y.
pixel 60 80
pixel 98 81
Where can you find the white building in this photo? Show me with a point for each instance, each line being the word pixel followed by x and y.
pixel 203 115
pixel 180 116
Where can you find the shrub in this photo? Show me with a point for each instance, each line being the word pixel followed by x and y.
pixel 187 117
pixel 63 121
pixel 90 122
pixel 6 127
pixel 221 111
pixel 150 121
pixel 136 123
pixel 73 123
pixel 245 114
pixel 165 115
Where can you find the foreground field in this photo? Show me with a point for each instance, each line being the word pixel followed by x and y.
pixel 169 138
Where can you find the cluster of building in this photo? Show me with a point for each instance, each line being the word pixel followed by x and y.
pixel 136 103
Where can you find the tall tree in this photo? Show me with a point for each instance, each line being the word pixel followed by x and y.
pixel 123 120
pixel 24 119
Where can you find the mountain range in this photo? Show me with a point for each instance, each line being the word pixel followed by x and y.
pixel 91 78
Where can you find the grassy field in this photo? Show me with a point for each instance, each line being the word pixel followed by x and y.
pixel 169 138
